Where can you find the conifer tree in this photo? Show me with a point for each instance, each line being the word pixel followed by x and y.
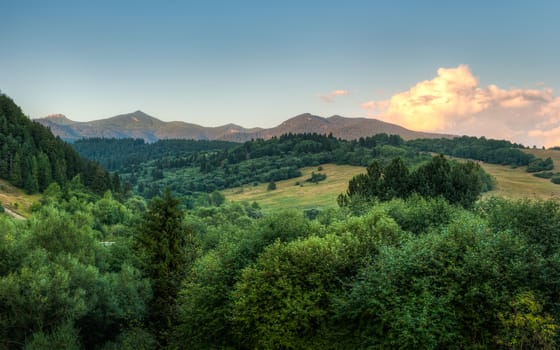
pixel 167 249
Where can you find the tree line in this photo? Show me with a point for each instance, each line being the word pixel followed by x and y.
pixel 189 167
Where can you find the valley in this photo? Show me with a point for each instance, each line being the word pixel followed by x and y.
pixel 204 232
pixel 513 183
pixel 303 195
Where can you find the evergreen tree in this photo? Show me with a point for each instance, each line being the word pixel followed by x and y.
pixel 168 250
pixel 44 171
pixel 396 179
pixel 15 171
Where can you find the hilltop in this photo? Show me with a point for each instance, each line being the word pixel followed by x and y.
pixel 141 125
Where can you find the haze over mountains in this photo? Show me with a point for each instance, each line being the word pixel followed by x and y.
pixel 141 125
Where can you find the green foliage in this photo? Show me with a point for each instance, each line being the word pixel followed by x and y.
pixel 191 167
pixel 64 337
pixel 487 150
pixel 536 221
pixel 133 339
pixel 540 165
pixel 316 177
pixel 411 272
pixel 419 215
pixel 525 325
pixel 168 249
pixel 283 301
pixel 61 288
pixel 459 183
pixel 555 179
pixel 32 158
pixel 439 290
pixel 134 152
pixel 204 304
pixel 271 186
pixel 544 174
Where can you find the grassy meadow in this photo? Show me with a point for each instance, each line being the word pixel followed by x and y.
pixel 15 199
pixel 517 183
pixel 304 196
pixel 511 182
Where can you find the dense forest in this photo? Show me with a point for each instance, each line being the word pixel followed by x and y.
pixel 32 158
pixel 117 154
pixel 409 273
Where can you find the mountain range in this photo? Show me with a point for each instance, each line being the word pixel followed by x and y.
pixel 141 125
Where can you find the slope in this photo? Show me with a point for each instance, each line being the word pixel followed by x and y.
pixel 31 157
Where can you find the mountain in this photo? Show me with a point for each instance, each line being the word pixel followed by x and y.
pixel 140 125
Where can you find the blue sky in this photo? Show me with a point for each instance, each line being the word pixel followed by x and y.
pixel 257 63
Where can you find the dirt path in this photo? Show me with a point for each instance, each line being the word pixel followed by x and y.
pixel 13 214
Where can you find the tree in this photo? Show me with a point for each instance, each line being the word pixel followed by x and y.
pixel 271 186
pixel 526 326
pixel 396 179
pixel 168 250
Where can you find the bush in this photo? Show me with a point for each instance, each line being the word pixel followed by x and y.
pixel 316 177
pixel 540 165
pixel 544 174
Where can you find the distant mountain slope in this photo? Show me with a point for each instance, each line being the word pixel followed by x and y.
pixel 140 125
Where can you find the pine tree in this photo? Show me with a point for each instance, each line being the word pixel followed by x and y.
pixel 168 250
pixel 15 171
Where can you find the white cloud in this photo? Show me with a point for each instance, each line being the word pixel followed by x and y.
pixel 454 102
pixel 331 96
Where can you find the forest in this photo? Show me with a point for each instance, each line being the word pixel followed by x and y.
pixel 190 167
pixel 90 272
pixel 412 258
pixel 31 157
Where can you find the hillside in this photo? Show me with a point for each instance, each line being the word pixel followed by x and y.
pixel 15 202
pixel 140 125
pixel 31 157
pixel 305 195
pixel 512 183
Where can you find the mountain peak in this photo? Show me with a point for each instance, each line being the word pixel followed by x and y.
pixel 59 119
pixel 55 116
pixel 141 125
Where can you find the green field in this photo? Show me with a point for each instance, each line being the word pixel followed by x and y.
pixel 305 196
pixel 510 183
pixel 517 183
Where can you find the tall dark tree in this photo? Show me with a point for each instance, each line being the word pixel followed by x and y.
pixel 434 178
pixel 396 179
pixel 456 182
pixel 168 249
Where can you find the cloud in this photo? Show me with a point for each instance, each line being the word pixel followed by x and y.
pixel 454 102
pixel 331 96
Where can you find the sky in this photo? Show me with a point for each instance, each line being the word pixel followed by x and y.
pixel 463 67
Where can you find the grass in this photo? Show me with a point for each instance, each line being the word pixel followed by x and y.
pixel 15 199
pixel 514 183
pixel 517 183
pixel 541 153
pixel 304 196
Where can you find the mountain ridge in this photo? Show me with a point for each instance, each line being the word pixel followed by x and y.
pixel 141 125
